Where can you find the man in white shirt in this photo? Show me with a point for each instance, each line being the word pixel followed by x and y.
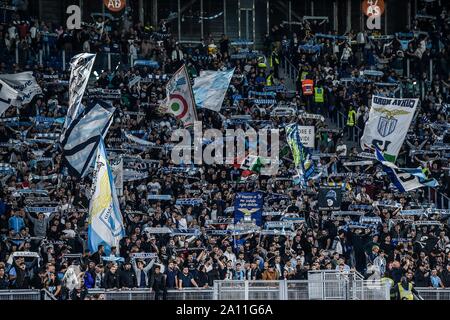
pixel 230 255
pixel 177 54
pixel 181 222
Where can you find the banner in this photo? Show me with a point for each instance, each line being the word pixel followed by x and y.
pixel 279 225
pixel 370 220
pixel 105 218
pixel 405 179
pixel 42 209
pixel 143 255
pixel 210 88
pixel 83 136
pixel 330 198
pixel 165 197
pixel 25 85
pixel 311 116
pixel 81 66
pixel 180 101
pixel 358 163
pixel 248 206
pixel 7 96
pixel 24 254
pixel 105 94
pixel 189 201
pixel 302 158
pixel 134 175
pixel 417 212
pixel 307 136
pixel 388 123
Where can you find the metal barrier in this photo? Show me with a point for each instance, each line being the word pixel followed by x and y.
pixel 249 290
pixel 20 294
pixel 434 294
pixel 336 286
pixel 140 294
pixel 440 200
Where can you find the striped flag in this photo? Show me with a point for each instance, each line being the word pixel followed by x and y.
pixel 105 219
pixel 405 179
pixel 25 84
pixel 83 136
pixel 7 96
pixel 302 158
pixel 81 66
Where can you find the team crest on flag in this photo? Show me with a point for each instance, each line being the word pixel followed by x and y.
pixel 180 100
pixel 105 219
pixel 386 126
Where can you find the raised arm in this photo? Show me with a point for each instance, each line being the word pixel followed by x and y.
pixel 149 266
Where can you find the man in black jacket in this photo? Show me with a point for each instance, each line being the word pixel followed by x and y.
pixel 158 283
pixel 97 256
pixel 421 277
pixel 445 276
pixel 112 278
pixel 127 277
pixel 4 281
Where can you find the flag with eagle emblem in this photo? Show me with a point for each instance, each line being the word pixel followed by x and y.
pixel 180 100
pixel 248 207
pixel 387 126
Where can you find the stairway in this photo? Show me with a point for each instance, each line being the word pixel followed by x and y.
pixel 290 86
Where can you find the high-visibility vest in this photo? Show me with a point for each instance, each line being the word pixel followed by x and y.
pixel 318 95
pixel 351 118
pixel 275 59
pixel 307 87
pixel 269 81
pixel 405 294
pixel 303 75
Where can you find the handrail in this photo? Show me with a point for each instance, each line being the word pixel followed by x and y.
pixel 48 294
pixel 439 199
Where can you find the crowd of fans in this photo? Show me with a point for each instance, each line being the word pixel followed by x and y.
pixel 392 247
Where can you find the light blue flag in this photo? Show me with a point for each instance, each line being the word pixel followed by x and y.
pixel 105 219
pixel 210 88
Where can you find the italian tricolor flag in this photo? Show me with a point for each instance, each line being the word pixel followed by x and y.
pixel 180 99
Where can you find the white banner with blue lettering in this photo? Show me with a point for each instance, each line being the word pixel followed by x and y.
pixel 25 85
pixel 388 123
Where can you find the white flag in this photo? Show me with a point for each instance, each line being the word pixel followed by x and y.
pixel 388 124
pixel 81 66
pixel 7 96
pixel 180 101
pixel 25 84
